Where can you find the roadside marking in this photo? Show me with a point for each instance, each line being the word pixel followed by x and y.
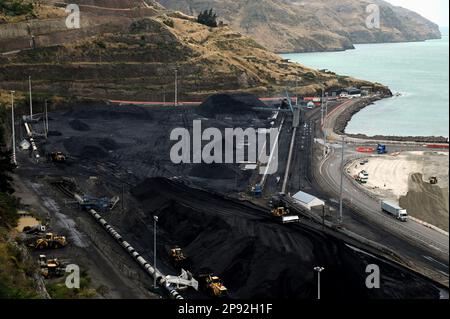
pixel 435 261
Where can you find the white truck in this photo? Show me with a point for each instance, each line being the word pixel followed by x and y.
pixel 394 210
pixel 290 219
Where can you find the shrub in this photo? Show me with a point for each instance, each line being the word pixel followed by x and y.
pixel 208 18
pixel 16 7
pixel 169 23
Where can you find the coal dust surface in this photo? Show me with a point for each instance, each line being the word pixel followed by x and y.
pixel 230 103
pixel 258 258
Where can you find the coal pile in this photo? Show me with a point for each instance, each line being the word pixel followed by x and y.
pixel 110 113
pixel 85 148
pixel 257 257
pixel 54 133
pixel 109 144
pixel 78 125
pixel 224 103
pixel 213 171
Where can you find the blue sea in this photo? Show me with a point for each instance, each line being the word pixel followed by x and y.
pixel 419 71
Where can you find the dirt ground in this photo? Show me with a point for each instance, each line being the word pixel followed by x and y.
pixel 394 177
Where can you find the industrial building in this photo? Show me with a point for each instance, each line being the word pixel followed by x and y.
pixel 307 201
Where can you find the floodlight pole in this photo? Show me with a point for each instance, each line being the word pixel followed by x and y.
pixel 155 220
pixel 319 270
pixel 342 182
pixel 14 159
pixel 31 98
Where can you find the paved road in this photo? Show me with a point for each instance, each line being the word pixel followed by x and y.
pixel 425 248
pixel 330 169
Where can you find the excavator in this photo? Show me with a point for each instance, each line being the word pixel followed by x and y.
pixel 50 241
pixel 212 285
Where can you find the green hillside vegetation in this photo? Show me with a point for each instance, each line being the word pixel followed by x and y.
pixel 16 268
pixel 16 7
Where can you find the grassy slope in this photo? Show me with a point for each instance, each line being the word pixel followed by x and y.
pixel 138 63
pixel 313 25
pixel 16 270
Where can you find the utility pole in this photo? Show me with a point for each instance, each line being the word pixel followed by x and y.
pixel 321 109
pixel 31 98
pixel 176 86
pixel 46 120
pixel 155 220
pixel 14 160
pixel 319 270
pixel 323 217
pixel 325 137
pixel 342 182
pixel 123 198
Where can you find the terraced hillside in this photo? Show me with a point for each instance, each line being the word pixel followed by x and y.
pixel 131 53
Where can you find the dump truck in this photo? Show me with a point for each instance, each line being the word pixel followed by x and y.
pixel 395 211
pixel 282 214
pixel 51 268
pixel 363 177
pixel 212 285
pixel 50 241
pixel 382 149
pixel 360 180
pixel 58 157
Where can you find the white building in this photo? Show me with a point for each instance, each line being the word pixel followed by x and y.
pixel 307 201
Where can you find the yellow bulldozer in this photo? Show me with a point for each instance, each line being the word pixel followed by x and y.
pixel 280 212
pixel 212 285
pixel 50 268
pixel 58 157
pixel 50 241
pixel 177 256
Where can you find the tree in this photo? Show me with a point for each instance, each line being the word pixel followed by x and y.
pixel 6 168
pixel 208 18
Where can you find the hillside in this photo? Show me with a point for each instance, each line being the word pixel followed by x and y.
pixel 313 25
pixel 132 53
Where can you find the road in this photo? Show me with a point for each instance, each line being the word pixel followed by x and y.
pixel 426 248
pixel 330 169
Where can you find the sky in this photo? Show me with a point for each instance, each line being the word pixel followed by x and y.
pixel 434 10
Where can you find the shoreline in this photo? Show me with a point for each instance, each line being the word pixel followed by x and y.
pixel 347 113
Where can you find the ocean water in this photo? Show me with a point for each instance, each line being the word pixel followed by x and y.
pixel 419 71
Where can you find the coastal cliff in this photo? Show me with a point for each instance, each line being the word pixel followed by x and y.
pixel 287 26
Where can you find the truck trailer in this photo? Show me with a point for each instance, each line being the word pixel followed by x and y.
pixel 394 210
